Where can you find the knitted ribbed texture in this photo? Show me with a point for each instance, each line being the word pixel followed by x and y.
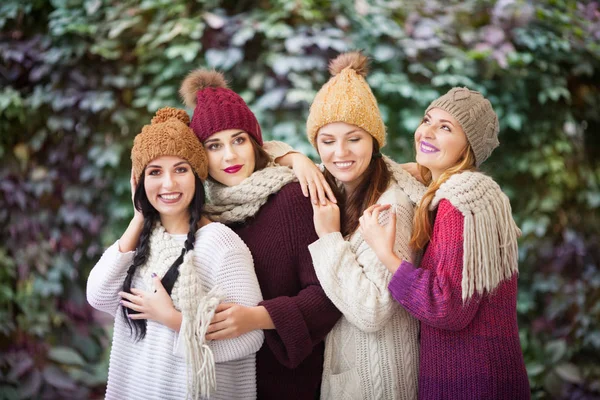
pixel 490 247
pixel 372 352
pixel 346 97
pixel 229 204
pixel 197 306
pixel 155 367
pixel 168 135
pixel 409 185
pixel 469 351
pixel 216 107
pixel 476 116
pixel 277 149
pixel 290 364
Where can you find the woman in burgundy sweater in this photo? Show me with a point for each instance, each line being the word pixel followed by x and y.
pixel 263 205
pixel 465 290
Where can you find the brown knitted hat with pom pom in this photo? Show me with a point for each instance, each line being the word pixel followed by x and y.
pixel 346 97
pixel 168 135
pixel 216 107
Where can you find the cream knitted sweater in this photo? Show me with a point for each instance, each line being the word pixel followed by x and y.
pixel 155 367
pixel 373 351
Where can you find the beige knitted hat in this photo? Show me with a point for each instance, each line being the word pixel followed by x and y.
pixel 475 115
pixel 168 134
pixel 346 97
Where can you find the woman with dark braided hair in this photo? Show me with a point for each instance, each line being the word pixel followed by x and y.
pixel 164 278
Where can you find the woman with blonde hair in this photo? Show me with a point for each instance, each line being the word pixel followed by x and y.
pixel 465 290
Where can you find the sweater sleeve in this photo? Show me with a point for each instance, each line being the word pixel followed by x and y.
pixel 301 321
pixel 352 275
pixel 106 279
pixel 277 149
pixel 235 275
pixel 434 295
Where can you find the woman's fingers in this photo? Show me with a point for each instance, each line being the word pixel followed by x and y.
pixel 131 297
pixel 312 189
pixel 321 192
pixel 217 326
pixel 220 335
pixel 138 316
pixel 131 305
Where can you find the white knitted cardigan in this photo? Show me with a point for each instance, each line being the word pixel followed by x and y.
pixel 490 250
pixel 196 306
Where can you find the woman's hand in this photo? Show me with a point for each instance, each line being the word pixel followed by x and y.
pixel 309 176
pixel 380 238
pixel 233 320
pixel 326 218
pixel 157 306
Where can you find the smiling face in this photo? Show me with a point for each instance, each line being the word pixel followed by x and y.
pixel 170 186
pixel 231 156
pixel 346 151
pixel 440 141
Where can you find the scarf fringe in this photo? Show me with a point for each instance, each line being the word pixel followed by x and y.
pixel 200 360
pixel 490 249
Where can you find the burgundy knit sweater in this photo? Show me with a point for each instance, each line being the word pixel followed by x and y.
pixel 290 362
pixel 471 350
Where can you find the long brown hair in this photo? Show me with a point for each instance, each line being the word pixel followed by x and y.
pixel 421 233
pixel 374 182
pixel 261 157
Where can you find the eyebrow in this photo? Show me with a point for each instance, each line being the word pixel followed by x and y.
pixel 217 139
pixel 176 165
pixel 441 120
pixel 347 133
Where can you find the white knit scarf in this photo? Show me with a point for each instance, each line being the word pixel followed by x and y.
pixel 229 204
pixel 196 306
pixel 490 251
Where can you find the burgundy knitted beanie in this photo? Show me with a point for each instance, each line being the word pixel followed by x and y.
pixel 216 107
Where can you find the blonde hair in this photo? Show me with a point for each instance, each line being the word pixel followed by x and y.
pixel 422 226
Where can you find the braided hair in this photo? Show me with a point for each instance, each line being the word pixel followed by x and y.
pixel 142 204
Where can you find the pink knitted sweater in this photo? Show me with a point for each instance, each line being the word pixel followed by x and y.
pixel 470 350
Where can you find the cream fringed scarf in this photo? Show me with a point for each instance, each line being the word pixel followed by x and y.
pixel 228 204
pixel 196 306
pixel 490 233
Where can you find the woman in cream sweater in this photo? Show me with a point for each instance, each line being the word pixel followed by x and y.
pixel 372 352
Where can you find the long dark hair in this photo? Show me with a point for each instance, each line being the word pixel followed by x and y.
pixel 142 204
pixel 373 184
pixel 261 157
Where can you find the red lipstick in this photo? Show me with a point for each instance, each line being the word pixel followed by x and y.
pixel 233 169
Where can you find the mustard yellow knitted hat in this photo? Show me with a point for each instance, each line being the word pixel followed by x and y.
pixel 346 97
pixel 168 134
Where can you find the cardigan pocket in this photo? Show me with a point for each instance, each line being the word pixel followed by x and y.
pixel 345 386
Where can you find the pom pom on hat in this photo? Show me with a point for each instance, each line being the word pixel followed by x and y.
pixel 346 97
pixel 167 113
pixel 353 60
pixel 200 79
